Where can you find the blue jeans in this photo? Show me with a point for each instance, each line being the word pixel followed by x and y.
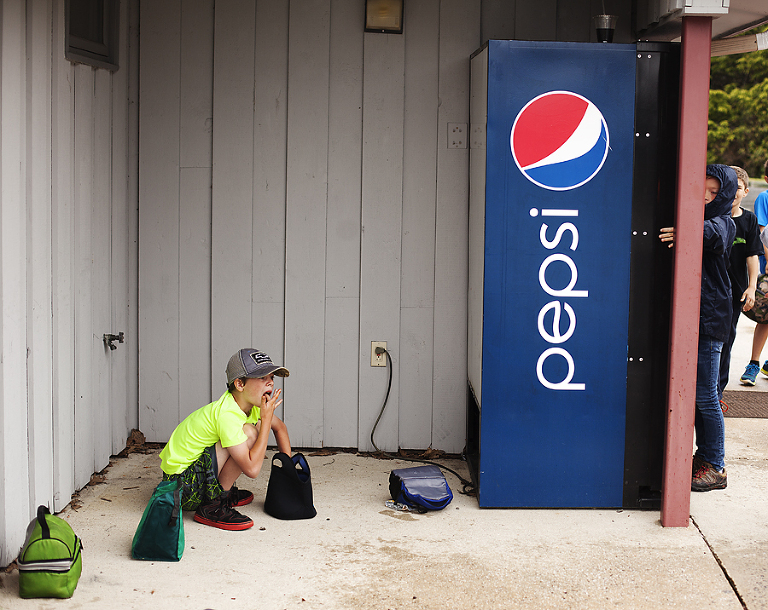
pixel 709 423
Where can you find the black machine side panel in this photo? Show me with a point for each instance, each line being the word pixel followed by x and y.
pixel 653 207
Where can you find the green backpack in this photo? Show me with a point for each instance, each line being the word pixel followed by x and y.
pixel 50 562
pixel 160 534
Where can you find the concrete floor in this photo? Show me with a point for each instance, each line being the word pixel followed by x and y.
pixel 358 554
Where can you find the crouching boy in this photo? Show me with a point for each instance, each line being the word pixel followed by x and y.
pixel 209 450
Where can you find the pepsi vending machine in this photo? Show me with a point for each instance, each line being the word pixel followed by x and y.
pixel 572 158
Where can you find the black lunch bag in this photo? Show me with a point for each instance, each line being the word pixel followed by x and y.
pixel 289 491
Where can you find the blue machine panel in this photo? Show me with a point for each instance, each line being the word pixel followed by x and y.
pixel 560 136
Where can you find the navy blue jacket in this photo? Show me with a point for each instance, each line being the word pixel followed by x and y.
pixel 719 232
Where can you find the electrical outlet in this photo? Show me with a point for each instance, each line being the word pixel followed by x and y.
pixel 378 359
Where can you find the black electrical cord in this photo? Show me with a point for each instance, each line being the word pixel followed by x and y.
pixel 467 487
pixel 379 350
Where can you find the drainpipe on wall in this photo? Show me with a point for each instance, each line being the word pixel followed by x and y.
pixel 686 288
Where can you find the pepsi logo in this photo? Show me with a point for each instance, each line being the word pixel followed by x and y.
pixel 559 140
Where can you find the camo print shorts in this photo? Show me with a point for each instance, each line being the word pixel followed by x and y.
pixel 199 482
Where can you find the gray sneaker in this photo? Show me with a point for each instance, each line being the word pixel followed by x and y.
pixel 707 478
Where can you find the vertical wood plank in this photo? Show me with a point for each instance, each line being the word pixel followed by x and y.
pixel 132 227
pixel 83 210
pixel 497 20
pixel 232 203
pixel 121 290
pixel 194 290
pixel 342 286
pixel 14 506
pixel 269 175
pixel 196 66
pixel 62 235
pixel 459 38
pixel 101 270
pixel 306 191
pixel 418 232
pixel 38 195
pixel 383 100
pixel 195 205
pixel 159 219
pixel 574 20
pixel 340 420
pixel 477 132
pixel 535 20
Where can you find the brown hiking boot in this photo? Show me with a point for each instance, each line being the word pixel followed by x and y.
pixel 697 464
pixel 707 478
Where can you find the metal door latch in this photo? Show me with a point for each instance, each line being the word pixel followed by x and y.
pixel 108 340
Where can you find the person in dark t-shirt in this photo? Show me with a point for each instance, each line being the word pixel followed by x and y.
pixel 743 270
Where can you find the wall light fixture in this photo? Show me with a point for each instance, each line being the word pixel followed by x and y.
pixel 384 16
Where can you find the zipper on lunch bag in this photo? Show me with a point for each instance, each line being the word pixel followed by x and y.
pixel 53 565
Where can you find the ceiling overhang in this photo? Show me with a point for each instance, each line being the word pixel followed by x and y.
pixel 662 19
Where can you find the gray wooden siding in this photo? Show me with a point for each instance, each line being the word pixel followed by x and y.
pixel 338 215
pixel 67 242
pixel 297 194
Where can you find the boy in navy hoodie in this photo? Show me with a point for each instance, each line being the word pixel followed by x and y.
pixel 714 325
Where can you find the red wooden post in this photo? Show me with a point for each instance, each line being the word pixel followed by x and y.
pixel 686 293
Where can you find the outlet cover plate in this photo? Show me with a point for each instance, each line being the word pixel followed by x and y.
pixel 378 359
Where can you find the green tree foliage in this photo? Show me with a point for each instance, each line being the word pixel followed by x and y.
pixel 738 110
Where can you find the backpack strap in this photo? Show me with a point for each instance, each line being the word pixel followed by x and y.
pixel 176 506
pixel 42 511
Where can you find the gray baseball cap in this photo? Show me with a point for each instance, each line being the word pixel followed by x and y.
pixel 249 363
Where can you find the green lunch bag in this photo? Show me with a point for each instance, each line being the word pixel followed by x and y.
pixel 51 561
pixel 160 535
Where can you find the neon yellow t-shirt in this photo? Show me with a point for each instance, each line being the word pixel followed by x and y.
pixel 221 420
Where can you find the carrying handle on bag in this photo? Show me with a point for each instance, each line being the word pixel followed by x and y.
pixel 284 459
pixel 42 511
pixel 295 467
pixel 176 507
pixel 301 465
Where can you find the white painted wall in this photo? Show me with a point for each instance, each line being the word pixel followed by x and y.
pixel 306 204
pixel 68 233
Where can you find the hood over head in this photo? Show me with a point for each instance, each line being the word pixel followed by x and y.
pixel 729 184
